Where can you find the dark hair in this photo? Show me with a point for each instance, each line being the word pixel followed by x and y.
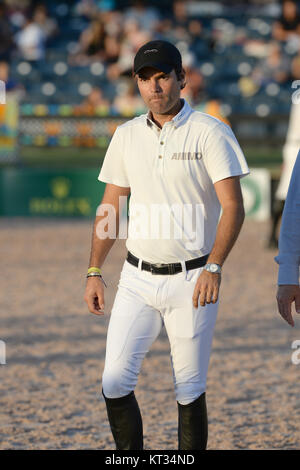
pixel 178 72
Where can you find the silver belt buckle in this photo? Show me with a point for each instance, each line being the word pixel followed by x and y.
pixel 171 268
pixel 155 265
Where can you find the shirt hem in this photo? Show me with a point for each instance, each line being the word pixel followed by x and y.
pixel 219 178
pixel 117 183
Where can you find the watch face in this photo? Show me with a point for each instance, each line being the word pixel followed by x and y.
pixel 213 268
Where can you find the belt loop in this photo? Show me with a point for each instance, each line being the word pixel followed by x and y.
pixel 183 267
pixel 140 264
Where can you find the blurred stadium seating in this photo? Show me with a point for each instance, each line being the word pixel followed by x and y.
pixel 54 81
pixel 226 43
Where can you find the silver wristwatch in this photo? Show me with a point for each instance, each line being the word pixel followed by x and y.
pixel 213 268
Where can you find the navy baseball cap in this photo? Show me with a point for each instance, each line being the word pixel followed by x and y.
pixel 161 55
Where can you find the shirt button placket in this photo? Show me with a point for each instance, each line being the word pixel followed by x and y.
pixel 161 149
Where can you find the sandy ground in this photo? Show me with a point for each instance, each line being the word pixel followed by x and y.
pixel 51 383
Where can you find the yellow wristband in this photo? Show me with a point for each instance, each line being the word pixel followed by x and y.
pixel 94 270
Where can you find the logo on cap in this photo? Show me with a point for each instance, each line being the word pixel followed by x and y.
pixel 150 50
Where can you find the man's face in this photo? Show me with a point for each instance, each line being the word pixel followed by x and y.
pixel 160 91
pixel 4 71
pixel 289 9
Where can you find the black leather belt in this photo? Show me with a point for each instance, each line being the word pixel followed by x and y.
pixel 171 268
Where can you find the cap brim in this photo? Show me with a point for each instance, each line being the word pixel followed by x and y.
pixel 166 68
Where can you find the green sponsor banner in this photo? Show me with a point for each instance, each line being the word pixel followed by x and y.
pixel 256 189
pixel 68 193
pixel 52 193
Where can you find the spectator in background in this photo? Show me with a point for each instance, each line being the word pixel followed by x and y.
pixel 195 94
pixel 113 37
pixel 164 28
pixel 288 24
pixel 87 8
pixel 31 41
pixel 194 90
pixel 127 102
pixel 91 8
pixel 180 18
pixel 274 68
pixel 9 112
pixel 114 23
pixel 95 103
pixel 213 107
pixel 6 35
pixel 91 45
pixel 146 17
pixel 18 11
pixel 112 48
pixel 295 67
pixel 48 25
pixel 133 39
pixel 179 29
pixel 195 29
pixel 12 87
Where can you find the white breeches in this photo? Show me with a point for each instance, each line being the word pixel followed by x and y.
pixel 143 302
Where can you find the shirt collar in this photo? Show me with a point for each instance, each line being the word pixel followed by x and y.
pixel 177 120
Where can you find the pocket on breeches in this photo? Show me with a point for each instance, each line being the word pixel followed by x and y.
pixel 192 275
pixel 188 321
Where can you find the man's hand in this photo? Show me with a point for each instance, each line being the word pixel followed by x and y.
pixel 286 295
pixel 207 287
pixel 94 295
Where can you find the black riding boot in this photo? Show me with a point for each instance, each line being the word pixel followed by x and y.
pixel 192 425
pixel 125 422
pixel 276 214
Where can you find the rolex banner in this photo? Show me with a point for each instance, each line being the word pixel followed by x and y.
pixel 49 193
pixel 77 193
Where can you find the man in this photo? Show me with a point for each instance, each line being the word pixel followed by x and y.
pixel 289 250
pixel 290 151
pixel 182 165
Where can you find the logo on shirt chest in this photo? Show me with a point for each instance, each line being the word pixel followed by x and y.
pixel 186 156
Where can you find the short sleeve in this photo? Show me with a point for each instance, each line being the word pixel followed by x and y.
pixel 113 169
pixel 222 154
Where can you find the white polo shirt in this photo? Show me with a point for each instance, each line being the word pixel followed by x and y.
pixel 173 208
